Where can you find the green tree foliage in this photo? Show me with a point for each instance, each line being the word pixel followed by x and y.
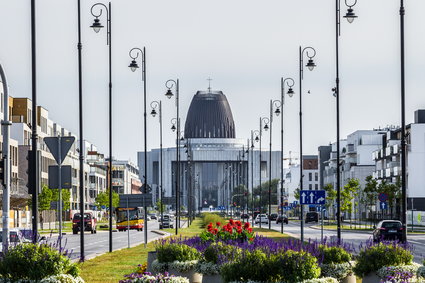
pixel 330 195
pixel 371 190
pixel 103 199
pixel 350 191
pixel 265 193
pixel 66 197
pixel 44 198
pixel 241 196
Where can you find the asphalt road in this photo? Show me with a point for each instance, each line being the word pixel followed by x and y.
pixel 97 244
pixel 355 238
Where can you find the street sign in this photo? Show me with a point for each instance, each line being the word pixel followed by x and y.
pixel 66 176
pixel 295 202
pixel 383 197
pixel 135 200
pixel 55 205
pixel 383 205
pixel 169 200
pixel 53 145
pixel 313 197
pixel 287 207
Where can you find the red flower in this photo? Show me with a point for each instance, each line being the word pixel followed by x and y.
pixel 239 230
pixel 246 225
pixel 218 224
pixel 238 223
pixel 249 230
pixel 251 239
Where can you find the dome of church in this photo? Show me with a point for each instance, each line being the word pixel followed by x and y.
pixel 209 116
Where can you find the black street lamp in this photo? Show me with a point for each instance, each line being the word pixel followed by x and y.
pixel 273 104
pixel 252 177
pixel 290 83
pixel 134 54
pixel 350 16
pixel 403 125
pixel 310 65
pixel 97 26
pixel 154 106
pixel 176 127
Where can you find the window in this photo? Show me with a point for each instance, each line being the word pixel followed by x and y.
pixel 310 186
pixel 310 176
pixel 316 187
pixel 316 176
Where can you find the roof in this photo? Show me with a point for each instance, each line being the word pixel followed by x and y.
pixel 209 116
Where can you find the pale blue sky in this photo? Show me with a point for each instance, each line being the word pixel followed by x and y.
pixel 245 46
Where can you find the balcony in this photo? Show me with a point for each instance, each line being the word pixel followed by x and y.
pixel 393 164
pixel 388 172
pixel 351 149
pixel 396 171
pixel 396 149
pixel 388 151
pixel 333 155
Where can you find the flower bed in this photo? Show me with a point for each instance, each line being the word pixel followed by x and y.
pixel 149 278
pixel 400 273
pixel 233 230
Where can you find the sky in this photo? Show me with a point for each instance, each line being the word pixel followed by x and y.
pixel 245 46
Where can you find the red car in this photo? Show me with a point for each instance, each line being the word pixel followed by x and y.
pixel 90 222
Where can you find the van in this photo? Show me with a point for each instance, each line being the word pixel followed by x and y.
pixel 311 217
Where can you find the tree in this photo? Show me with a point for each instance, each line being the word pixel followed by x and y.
pixel 350 191
pixel 102 199
pixel 66 197
pixel 44 198
pixel 330 196
pixel 265 193
pixel 158 205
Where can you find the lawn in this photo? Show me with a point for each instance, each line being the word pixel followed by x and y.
pixel 111 267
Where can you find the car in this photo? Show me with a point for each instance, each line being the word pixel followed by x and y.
pixel 166 222
pixel 90 223
pixel 273 216
pixel 15 237
pixel 282 218
pixel 262 218
pixel 388 230
pixel 244 216
pixel 311 217
pixel 152 216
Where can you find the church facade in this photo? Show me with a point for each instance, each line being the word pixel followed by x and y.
pixel 212 160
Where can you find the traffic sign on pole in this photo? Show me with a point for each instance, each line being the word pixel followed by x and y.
pixel 65 145
pixel 383 197
pixel 312 197
pixel 383 205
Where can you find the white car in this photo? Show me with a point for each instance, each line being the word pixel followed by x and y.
pixel 263 218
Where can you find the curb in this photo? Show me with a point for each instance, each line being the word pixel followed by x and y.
pixel 159 232
pixel 359 231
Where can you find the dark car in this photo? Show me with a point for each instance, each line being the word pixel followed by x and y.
pixel 312 217
pixel 282 218
pixel 273 216
pixel 90 223
pixel 244 216
pixel 388 230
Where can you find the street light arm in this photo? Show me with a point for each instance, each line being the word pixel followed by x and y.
pixel 137 51
pixel 102 6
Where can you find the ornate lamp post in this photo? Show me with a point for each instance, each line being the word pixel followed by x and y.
pixel 290 83
pixel 310 65
pixel 97 26
pixel 154 106
pixel 134 54
pixel 350 16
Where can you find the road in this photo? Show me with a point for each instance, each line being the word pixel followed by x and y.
pixel 355 238
pixel 97 244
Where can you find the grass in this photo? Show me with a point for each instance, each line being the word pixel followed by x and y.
pixel 112 267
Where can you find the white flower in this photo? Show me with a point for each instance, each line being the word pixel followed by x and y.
pixel 159 267
pixel 338 271
pixel 321 280
pixel 62 278
pixel 183 266
pixel 207 268
pixel 393 270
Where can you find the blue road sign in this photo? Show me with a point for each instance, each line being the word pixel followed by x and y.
pixel 295 202
pixel 313 197
pixel 291 205
pixel 383 197
pixel 383 205
pixel 287 208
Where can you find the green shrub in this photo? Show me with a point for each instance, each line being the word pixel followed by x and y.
pixel 334 255
pixel 374 257
pixel 34 262
pixel 218 252
pixel 253 266
pixel 171 252
pixel 208 218
pixel 292 266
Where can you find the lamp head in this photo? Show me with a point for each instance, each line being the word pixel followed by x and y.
pixel 133 65
pixel 96 26
pixel 290 92
pixel 153 113
pixel 277 111
pixel 350 15
pixel 266 127
pixel 310 65
pixel 169 94
pixel 173 128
